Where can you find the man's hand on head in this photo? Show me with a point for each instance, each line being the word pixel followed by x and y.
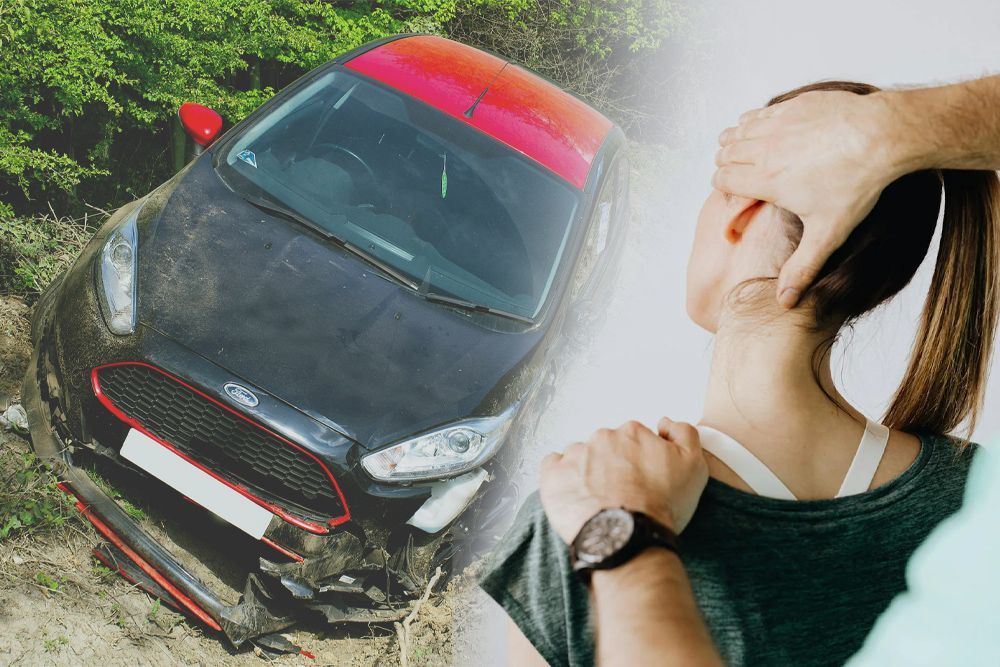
pixel 825 156
pixel 661 475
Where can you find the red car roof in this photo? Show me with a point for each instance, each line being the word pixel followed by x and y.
pixel 524 111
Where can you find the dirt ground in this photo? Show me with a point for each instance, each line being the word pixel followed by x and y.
pixel 58 606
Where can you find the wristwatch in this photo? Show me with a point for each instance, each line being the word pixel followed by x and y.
pixel 614 536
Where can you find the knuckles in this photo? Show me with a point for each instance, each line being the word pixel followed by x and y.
pixel 632 429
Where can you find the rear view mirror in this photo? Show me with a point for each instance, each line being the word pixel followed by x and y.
pixel 201 123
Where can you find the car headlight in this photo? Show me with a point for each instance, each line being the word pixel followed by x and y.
pixel 116 272
pixel 446 452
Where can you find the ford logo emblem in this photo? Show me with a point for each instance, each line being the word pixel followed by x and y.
pixel 241 395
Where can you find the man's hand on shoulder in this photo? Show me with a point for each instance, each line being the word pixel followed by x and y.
pixel 661 475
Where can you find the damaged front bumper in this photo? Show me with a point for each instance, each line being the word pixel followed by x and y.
pixel 342 575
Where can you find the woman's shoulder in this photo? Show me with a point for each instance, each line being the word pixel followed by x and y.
pixel 948 461
pixel 949 452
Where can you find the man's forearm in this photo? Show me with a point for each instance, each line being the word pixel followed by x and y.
pixel 646 614
pixel 947 127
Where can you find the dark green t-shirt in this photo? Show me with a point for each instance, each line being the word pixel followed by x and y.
pixel 779 582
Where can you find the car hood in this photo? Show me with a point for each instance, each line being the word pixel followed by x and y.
pixel 311 324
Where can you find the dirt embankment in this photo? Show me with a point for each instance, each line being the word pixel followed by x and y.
pixel 58 606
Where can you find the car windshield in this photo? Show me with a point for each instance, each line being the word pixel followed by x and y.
pixel 460 214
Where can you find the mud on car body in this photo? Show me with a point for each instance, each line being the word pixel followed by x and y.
pixel 335 328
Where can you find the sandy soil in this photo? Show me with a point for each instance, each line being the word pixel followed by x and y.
pixel 58 607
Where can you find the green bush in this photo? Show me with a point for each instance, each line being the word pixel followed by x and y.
pixel 89 88
pixel 36 249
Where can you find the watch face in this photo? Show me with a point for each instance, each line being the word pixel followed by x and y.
pixel 604 535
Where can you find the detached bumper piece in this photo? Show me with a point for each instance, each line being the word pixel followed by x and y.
pixel 334 574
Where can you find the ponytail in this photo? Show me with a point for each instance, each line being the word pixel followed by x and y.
pixel 946 378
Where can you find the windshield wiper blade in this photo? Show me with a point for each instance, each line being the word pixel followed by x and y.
pixel 289 214
pixel 384 267
pixel 476 307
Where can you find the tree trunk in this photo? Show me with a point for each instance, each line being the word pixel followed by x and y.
pixel 255 74
pixel 179 145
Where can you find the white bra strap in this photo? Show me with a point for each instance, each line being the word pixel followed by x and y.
pixel 741 461
pixel 866 460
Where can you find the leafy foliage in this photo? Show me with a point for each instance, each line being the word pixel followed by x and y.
pixel 29 499
pixel 36 249
pixel 89 88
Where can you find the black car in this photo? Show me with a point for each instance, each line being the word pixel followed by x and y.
pixel 334 328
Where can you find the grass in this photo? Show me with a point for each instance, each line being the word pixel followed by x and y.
pixel 55 644
pixel 35 249
pixel 29 499
pixel 49 582
pixel 137 514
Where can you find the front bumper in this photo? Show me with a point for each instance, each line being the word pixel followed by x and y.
pixel 365 570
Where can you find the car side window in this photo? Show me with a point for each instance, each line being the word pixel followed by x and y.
pixel 609 212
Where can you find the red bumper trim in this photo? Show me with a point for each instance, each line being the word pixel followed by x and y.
pixel 112 537
pixel 277 547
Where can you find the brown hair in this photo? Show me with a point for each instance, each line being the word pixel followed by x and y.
pixel 946 378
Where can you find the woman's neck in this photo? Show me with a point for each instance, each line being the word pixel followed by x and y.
pixel 773 392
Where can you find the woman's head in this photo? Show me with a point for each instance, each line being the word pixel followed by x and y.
pixel 740 246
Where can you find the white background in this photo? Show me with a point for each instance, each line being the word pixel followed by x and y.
pixel 649 359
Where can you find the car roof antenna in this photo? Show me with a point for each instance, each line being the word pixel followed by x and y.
pixel 472 110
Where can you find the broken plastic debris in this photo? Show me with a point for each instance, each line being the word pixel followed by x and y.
pixel 447 501
pixel 14 419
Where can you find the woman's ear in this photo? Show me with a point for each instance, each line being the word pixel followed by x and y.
pixel 740 211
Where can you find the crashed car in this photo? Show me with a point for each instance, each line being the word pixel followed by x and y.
pixel 335 328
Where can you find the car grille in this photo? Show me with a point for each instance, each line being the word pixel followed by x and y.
pixel 211 435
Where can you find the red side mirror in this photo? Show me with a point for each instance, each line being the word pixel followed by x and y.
pixel 200 122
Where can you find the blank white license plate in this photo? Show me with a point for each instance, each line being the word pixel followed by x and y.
pixel 196 484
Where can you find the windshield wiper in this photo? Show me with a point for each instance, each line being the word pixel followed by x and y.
pixel 384 267
pixel 475 307
pixel 289 214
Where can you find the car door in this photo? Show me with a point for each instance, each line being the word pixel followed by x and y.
pixel 599 262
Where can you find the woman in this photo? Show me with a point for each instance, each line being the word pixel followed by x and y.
pixel 801 540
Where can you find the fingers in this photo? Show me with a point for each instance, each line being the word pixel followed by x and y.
pixel 804 265
pixel 682 434
pixel 574 451
pixel 633 429
pixel 743 180
pixel 752 125
pixel 550 461
pixel 743 126
pixel 748 151
pixel 761 113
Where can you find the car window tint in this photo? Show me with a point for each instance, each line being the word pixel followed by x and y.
pixel 460 213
